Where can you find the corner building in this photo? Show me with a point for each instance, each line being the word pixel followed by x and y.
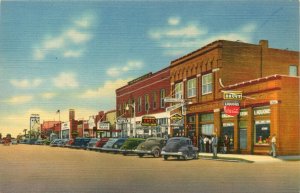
pixel 269 81
pixel 144 96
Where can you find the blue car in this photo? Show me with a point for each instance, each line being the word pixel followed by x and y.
pixel 113 145
pixel 80 143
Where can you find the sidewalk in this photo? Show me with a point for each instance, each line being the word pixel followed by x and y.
pixel 248 158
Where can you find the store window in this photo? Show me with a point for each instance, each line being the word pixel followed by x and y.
pixel 207 129
pixel 179 90
pixel 191 125
pixel 243 134
pixel 191 88
pixel 207 117
pixel 162 97
pixel 207 84
pixel 228 129
pixel 262 132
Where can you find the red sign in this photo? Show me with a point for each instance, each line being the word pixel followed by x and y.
pixel 149 121
pixel 232 108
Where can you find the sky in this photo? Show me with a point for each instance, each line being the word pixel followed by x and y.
pixel 61 55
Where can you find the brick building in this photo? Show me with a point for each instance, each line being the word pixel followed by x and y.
pixel 201 77
pixel 140 97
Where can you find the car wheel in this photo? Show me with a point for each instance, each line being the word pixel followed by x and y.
pixel 165 157
pixel 196 155
pixel 156 153
pixel 185 157
pixel 124 154
pixel 140 155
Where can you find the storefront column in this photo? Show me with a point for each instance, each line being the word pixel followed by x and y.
pixel 274 107
pixel 250 131
pixel 197 129
pixel 236 140
pixel 217 122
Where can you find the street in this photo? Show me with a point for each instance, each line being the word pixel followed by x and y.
pixel 31 168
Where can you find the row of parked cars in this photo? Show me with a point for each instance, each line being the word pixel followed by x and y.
pixel 179 147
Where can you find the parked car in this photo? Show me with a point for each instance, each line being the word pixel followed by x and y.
pixel 92 143
pixel 69 143
pixel 99 144
pixel 152 146
pixel 113 145
pixel 56 142
pixel 80 143
pixel 130 145
pixel 40 142
pixel 180 147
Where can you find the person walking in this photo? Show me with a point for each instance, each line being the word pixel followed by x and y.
pixel 214 143
pixel 273 144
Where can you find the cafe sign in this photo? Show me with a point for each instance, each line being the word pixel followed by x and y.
pixel 232 95
pixel 149 121
pixel 231 108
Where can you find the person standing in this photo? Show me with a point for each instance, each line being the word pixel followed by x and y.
pixel 206 144
pixel 226 143
pixel 273 144
pixel 214 143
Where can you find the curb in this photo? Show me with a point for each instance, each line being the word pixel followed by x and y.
pixel 225 159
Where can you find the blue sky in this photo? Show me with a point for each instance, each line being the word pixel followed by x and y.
pixel 61 55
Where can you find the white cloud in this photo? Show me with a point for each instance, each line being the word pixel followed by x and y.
pixel 63 44
pixel 25 83
pixel 173 20
pixel 65 80
pixel 48 95
pixel 21 99
pixel 178 40
pixel 130 65
pixel 107 90
pixel 73 53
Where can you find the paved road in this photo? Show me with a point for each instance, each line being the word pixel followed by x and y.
pixel 35 169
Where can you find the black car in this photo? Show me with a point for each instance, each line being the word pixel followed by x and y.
pixel 180 147
pixel 80 143
pixel 152 146
pixel 113 145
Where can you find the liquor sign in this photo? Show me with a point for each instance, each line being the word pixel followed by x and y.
pixel 149 121
pixel 232 95
pixel 232 108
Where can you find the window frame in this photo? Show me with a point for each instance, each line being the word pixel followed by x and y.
pixel 162 97
pixel 207 86
pixel 192 88
pixel 179 90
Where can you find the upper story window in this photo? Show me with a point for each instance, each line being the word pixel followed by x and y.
pixel 191 88
pixel 154 100
pixel 139 104
pixel 179 90
pixel 147 103
pixel 293 70
pixel 207 84
pixel 162 97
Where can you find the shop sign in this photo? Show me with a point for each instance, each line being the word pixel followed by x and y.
pixel 176 106
pixel 176 117
pixel 173 100
pixel 265 111
pixel 232 108
pixel 149 121
pixel 104 126
pixel 232 95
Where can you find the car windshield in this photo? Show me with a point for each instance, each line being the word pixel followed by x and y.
pixel 94 140
pixel 151 139
pixel 110 142
pixel 173 140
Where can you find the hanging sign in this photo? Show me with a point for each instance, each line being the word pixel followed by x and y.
pixel 232 95
pixel 231 108
pixel 149 121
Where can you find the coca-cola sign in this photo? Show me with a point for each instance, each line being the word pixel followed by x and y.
pixel 231 108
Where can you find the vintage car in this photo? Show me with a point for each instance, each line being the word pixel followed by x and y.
pixel 80 143
pixel 99 144
pixel 92 143
pixel 152 146
pixel 130 145
pixel 113 145
pixel 180 147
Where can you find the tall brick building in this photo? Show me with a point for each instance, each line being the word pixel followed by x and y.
pixel 144 95
pixel 270 103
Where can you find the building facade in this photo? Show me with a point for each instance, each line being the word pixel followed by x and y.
pixel 142 97
pixel 201 77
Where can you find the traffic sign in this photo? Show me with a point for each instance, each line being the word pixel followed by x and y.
pixel 176 106
pixel 172 100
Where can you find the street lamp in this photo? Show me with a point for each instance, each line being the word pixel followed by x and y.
pixel 134 121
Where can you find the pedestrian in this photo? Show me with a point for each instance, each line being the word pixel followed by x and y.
pixel 210 144
pixel 206 144
pixel 226 143
pixel 201 144
pixel 214 143
pixel 273 144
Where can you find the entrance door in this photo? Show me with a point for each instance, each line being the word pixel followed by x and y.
pixel 243 139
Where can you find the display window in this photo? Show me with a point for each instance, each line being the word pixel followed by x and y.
pixel 262 132
pixel 228 129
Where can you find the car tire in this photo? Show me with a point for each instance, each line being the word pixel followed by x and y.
pixel 124 154
pixel 196 155
pixel 156 153
pixel 140 155
pixel 185 157
pixel 165 157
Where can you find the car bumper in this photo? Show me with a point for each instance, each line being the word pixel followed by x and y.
pixel 142 152
pixel 172 153
pixel 109 149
